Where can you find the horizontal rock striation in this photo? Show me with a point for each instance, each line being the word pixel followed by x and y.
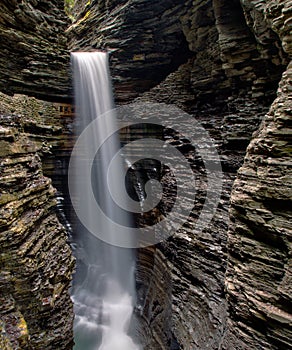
pixel 34 59
pixel 36 261
pixel 144 38
pixel 230 49
pixel 227 86
pixel 147 40
pixel 228 60
pixel 258 279
pixel 50 126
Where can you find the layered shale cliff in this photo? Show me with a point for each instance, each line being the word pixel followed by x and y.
pixel 258 278
pixel 36 261
pixel 34 59
pixel 144 38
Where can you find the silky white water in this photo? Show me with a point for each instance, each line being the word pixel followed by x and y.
pixel 103 290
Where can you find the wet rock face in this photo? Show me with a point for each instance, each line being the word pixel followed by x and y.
pixel 33 49
pixel 231 46
pixel 231 49
pixel 258 279
pixel 36 261
pixel 144 38
pixel 228 86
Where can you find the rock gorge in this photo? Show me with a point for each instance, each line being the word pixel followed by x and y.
pixel 227 63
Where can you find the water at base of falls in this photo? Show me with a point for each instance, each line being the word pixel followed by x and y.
pixel 103 288
pixel 102 322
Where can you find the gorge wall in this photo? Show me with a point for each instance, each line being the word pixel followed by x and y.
pixel 258 278
pixel 228 287
pixel 34 58
pixel 36 261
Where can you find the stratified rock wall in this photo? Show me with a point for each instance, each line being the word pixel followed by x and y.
pixel 259 274
pixel 228 86
pixel 258 279
pixel 34 59
pixel 36 261
pixel 144 38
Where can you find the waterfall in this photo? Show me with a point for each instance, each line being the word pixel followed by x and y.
pixel 103 291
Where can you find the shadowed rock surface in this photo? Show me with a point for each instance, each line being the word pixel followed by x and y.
pixel 258 279
pixel 144 38
pixel 228 87
pixel 36 261
pixel 34 59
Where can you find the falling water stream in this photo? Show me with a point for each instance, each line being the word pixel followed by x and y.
pixel 103 290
